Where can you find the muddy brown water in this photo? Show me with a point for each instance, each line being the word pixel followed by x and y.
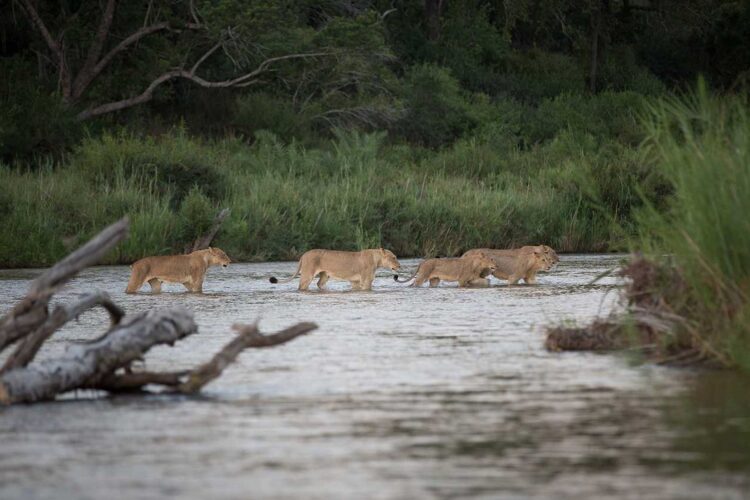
pixel 401 393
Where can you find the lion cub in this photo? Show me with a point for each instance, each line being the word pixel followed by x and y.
pixel 358 268
pixel 469 270
pixel 187 269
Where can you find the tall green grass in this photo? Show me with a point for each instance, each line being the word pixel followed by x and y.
pixel 701 145
pixel 354 192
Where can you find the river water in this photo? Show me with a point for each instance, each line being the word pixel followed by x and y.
pixel 401 393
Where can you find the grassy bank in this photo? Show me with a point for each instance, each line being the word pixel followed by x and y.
pixel 690 296
pixel 562 181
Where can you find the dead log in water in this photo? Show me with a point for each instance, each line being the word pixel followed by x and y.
pixel 106 362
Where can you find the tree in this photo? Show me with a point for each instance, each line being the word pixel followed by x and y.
pixel 87 46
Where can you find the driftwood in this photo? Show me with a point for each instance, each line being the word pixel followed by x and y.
pixel 106 362
pixel 203 242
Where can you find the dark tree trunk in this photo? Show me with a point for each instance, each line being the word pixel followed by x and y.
pixel 599 26
pixel 433 9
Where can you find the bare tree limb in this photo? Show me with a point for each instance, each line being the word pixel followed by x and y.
pixel 27 349
pixel 54 46
pixel 95 51
pixel 203 242
pixel 249 336
pixel 31 312
pixel 88 255
pixel 87 365
pixel 89 74
pixel 147 95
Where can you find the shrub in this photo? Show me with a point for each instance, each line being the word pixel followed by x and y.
pixel 173 163
pixel 262 111
pixel 535 75
pixel 438 111
pixel 33 121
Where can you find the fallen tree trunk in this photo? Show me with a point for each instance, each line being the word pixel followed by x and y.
pixel 106 362
pixel 31 312
pixel 84 365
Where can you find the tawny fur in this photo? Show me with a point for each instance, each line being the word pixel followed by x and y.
pixel 520 263
pixel 468 271
pixel 190 270
pixel 358 268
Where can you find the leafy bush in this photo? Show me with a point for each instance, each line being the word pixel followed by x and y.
pixel 33 121
pixel 173 163
pixel 605 116
pixel 438 111
pixel 262 111
pixel 535 75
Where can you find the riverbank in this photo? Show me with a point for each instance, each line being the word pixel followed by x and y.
pixel 574 191
pixel 688 296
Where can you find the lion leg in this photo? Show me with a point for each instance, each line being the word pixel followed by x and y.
pixel 323 280
pixel 530 278
pixel 479 282
pixel 305 280
pixel 198 286
pixel 434 282
pixel 366 285
pixel 155 285
pixel 136 281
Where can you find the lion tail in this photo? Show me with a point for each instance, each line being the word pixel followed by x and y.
pixel 395 276
pixel 274 279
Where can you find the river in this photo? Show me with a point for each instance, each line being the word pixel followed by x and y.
pixel 401 393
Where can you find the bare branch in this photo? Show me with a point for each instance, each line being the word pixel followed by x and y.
pixel 56 47
pixel 88 255
pixel 31 312
pixel 26 350
pixel 39 23
pixel 95 51
pixel 203 242
pixel 147 95
pixel 249 336
pixel 205 56
pixel 87 365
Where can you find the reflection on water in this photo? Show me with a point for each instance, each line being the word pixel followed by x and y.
pixel 401 393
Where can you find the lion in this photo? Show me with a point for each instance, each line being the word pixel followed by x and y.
pixel 358 268
pixel 470 270
pixel 187 269
pixel 520 263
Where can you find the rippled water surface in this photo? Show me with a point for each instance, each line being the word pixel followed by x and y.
pixel 401 393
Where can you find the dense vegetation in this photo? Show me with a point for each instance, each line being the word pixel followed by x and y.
pixel 428 127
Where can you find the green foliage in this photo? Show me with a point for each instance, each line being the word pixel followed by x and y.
pixel 172 164
pixel 438 111
pixel 261 111
pixel 534 75
pixel 605 116
pixel 33 121
pixel 195 215
pixel 701 145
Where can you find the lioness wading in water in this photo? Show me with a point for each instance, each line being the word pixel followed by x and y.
pixel 520 263
pixel 468 271
pixel 187 269
pixel 358 268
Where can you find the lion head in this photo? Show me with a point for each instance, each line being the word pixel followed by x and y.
pixel 217 257
pixel 388 259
